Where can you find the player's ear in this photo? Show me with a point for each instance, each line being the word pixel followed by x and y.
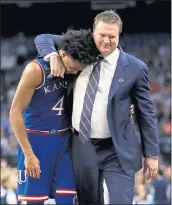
pixel 62 53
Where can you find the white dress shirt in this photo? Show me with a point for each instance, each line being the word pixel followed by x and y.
pixel 99 123
pixel 47 57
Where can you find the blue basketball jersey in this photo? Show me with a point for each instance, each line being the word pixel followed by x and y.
pixel 46 110
pixel 46 113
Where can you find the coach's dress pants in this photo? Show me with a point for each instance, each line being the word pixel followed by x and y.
pixel 95 163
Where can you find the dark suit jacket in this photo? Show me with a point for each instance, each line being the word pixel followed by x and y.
pixel 129 84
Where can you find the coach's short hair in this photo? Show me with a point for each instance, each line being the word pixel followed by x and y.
pixel 79 44
pixel 108 16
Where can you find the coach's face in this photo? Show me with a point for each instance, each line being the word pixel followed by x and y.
pixel 106 37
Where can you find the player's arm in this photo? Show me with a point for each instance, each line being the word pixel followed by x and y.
pixel 132 112
pixel 46 46
pixel 31 78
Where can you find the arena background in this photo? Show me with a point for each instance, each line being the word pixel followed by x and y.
pixel 146 35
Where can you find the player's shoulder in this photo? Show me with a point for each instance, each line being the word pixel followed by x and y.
pixel 32 69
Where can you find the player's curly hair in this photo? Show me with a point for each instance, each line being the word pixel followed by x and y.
pixel 79 44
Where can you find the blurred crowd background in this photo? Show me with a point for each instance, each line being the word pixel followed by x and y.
pixel 153 47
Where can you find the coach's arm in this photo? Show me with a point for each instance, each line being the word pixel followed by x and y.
pixel 147 122
pixel 47 47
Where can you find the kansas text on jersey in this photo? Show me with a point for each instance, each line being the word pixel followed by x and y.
pixel 46 110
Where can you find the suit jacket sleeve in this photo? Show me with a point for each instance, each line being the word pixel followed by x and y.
pixel 146 119
pixel 47 43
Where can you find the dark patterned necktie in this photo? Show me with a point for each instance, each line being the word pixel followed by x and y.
pixel 85 121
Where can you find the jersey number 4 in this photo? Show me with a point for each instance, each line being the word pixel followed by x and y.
pixel 59 106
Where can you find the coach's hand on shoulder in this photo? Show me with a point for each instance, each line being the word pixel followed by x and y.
pixel 32 165
pixel 56 65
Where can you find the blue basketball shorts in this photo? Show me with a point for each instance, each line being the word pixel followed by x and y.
pixel 57 176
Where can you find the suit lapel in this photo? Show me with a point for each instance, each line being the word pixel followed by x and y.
pixel 71 84
pixel 119 74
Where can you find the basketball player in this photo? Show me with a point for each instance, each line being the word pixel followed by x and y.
pixel 41 125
